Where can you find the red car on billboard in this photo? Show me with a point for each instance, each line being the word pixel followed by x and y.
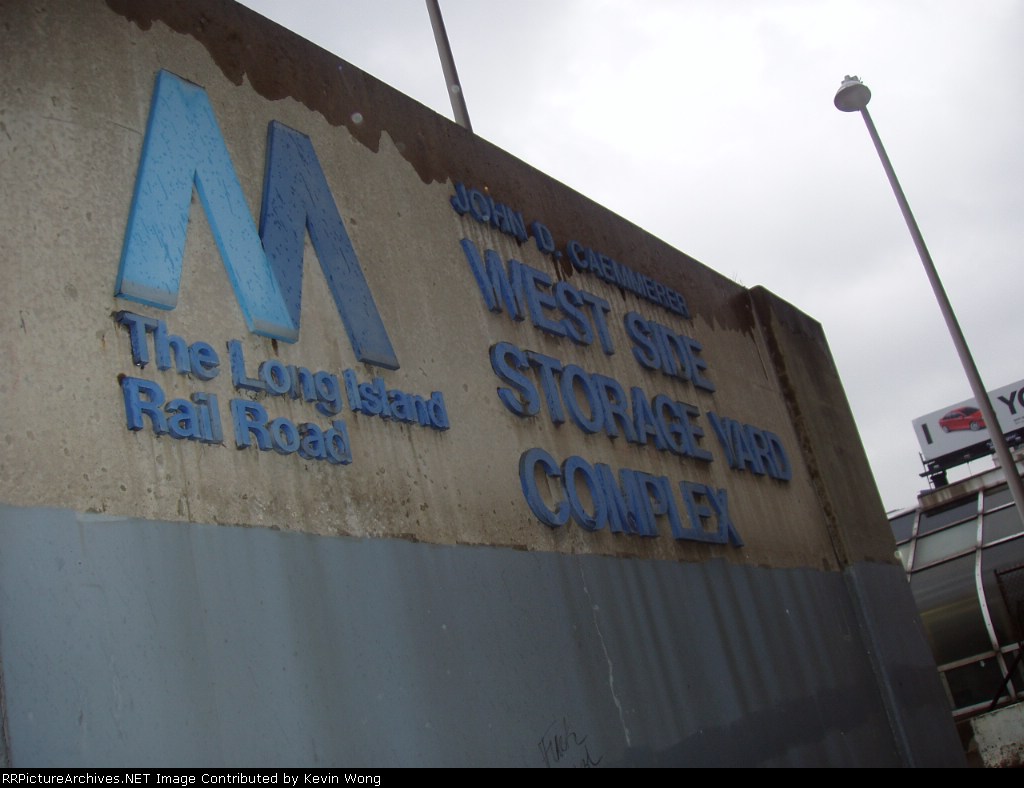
pixel 966 418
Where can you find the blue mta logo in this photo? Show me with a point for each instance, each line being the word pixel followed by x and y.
pixel 184 148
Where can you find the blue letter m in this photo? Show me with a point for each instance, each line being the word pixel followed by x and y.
pixel 184 147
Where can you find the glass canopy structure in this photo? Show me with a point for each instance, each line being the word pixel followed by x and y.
pixel 963 550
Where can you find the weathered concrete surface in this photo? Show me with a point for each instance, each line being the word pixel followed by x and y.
pixel 999 737
pixel 76 84
pixel 850 505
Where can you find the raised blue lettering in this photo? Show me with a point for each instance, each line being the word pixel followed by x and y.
pixel 529 462
pixel 183 148
pixel 296 199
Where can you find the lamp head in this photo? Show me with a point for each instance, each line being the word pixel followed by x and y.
pixel 853 95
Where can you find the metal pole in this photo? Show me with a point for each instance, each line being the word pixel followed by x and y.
pixel 977 387
pixel 451 76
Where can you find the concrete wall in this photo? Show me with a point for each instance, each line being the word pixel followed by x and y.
pixel 999 737
pixel 645 645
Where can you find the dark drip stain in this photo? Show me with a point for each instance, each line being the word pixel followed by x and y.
pixel 280 64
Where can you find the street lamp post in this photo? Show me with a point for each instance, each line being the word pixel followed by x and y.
pixel 451 76
pixel 853 96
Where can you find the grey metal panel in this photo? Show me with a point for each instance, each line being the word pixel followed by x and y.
pixel 896 642
pixel 131 642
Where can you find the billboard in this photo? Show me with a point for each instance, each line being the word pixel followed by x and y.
pixel 960 429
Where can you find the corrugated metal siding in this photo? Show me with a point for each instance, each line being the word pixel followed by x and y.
pixel 137 642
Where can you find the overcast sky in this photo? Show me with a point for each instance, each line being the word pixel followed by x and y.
pixel 710 124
